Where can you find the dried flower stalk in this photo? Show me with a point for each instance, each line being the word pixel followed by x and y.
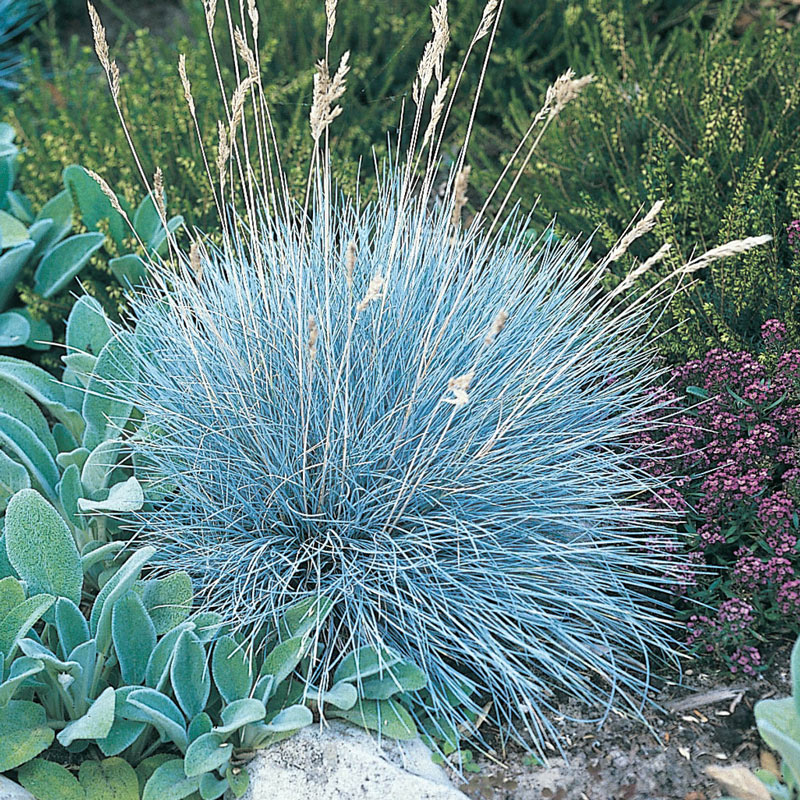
pixel 327 91
pixel 350 263
pixel 194 260
pixel 458 388
pixel 374 292
pixel 645 225
pixel 460 194
pixel 723 251
pixel 158 193
pixel 497 325
pixel 313 336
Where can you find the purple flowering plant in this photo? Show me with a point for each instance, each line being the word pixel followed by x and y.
pixel 731 467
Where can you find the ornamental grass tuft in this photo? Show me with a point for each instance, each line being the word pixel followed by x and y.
pixel 409 406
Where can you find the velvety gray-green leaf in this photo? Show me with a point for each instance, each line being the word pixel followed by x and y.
pixel 70 490
pixel 43 388
pixel 22 669
pixel 93 204
pixel 23 733
pixel 99 465
pixel 109 779
pixel 168 600
pixel 134 637
pixel 17 622
pixel 64 261
pixel 190 675
pixel 207 753
pixel 103 410
pixel 387 717
pixel 40 546
pixel 95 723
pixel 169 782
pixel 149 705
pixel 116 587
pixel 231 670
pixel 13 477
pixel 158 667
pixel 88 329
pixel 23 444
pixel 71 625
pixel 46 780
pixel 15 330
pixel 291 719
pixel 12 262
pixel 123 497
pixel 364 662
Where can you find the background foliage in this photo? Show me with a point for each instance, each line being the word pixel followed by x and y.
pixel 705 117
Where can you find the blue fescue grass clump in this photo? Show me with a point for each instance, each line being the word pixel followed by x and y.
pixel 429 426
pixel 436 427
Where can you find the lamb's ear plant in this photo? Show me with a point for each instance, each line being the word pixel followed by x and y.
pixel 778 722
pixel 41 256
pixel 430 424
pixel 62 437
pixel 141 688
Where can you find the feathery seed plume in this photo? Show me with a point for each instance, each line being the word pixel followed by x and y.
pixel 158 193
pixel 350 263
pixel 374 292
pixel 723 251
pixel 210 7
pixel 194 260
pixel 497 325
pixel 327 91
pixel 645 225
pixel 330 19
pixel 460 194
pixel 564 90
pixel 636 273
pixel 246 53
pixel 107 191
pixel 187 87
pixel 487 19
pixel 313 335
pixel 458 387
pixel 101 48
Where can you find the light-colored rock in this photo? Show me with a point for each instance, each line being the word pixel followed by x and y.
pixel 13 791
pixel 342 762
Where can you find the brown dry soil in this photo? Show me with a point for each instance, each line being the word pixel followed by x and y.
pixel 706 722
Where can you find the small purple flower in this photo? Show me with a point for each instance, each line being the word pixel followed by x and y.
pixel 793 235
pixel 773 331
pixel 731 468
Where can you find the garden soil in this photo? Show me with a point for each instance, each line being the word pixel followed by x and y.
pixel 708 722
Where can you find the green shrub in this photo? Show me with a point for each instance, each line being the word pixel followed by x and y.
pixel 707 120
pixel 65 113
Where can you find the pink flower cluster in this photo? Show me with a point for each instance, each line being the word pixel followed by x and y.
pixel 793 235
pixel 731 465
